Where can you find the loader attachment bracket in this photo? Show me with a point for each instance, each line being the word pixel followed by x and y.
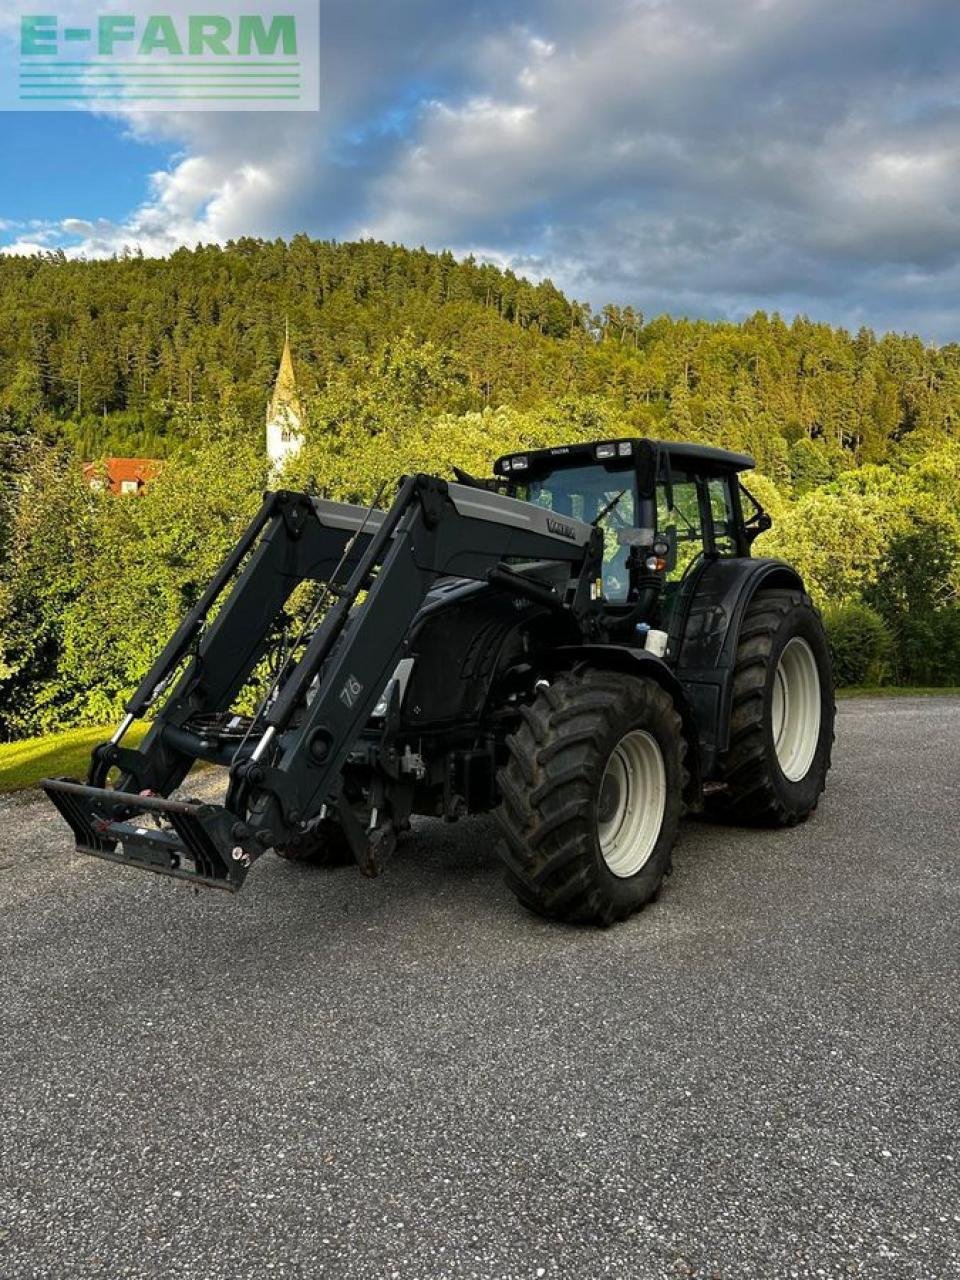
pixel 189 841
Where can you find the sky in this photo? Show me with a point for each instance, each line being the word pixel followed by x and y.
pixel 697 157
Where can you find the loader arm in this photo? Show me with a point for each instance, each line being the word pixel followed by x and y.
pixel 293 538
pixel 283 773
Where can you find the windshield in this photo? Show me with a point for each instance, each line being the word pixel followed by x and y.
pixel 584 492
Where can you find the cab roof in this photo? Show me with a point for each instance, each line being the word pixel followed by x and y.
pixel 707 453
pixel 619 453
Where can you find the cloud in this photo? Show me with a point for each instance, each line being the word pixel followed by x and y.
pixel 274 174
pixel 711 158
pixel 699 156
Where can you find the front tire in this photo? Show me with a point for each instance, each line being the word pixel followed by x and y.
pixel 592 796
pixel 782 717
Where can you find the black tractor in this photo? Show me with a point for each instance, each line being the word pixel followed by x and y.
pixel 582 643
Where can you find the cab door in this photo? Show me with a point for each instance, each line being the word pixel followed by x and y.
pixel 699 515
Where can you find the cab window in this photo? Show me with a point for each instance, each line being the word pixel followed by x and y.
pixel 703 517
pixel 592 494
pixel 723 516
pixel 684 519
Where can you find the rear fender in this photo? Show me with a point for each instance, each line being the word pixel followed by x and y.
pixel 637 662
pixel 704 634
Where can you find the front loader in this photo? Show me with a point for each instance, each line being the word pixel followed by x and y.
pixel 582 643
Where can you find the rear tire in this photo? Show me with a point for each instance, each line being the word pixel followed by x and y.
pixel 592 796
pixel 324 845
pixel 782 717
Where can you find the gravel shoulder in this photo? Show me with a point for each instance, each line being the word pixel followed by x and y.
pixel 326 1076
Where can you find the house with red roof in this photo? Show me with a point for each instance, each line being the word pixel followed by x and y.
pixel 121 475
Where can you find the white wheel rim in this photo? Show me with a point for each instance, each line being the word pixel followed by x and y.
pixel 631 803
pixel 795 709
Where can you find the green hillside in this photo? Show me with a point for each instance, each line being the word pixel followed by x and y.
pixel 113 347
pixel 408 359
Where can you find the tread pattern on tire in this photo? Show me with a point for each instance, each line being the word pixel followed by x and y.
pixel 751 795
pixel 548 801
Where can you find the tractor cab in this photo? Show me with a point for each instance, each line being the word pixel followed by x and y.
pixel 661 505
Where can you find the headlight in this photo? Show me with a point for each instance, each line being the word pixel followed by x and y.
pixel 380 710
pixel 400 676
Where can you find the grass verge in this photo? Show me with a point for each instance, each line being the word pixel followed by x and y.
pixel 24 763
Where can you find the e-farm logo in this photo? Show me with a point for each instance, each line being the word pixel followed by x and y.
pixel 263 59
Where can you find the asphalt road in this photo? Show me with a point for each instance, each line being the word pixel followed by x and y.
pixel 757 1077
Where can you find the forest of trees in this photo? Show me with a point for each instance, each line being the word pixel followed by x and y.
pixel 408 359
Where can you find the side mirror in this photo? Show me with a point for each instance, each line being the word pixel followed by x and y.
pixel 669 536
pixel 630 537
pixel 759 524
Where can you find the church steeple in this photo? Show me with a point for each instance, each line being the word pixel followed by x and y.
pixel 285 417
